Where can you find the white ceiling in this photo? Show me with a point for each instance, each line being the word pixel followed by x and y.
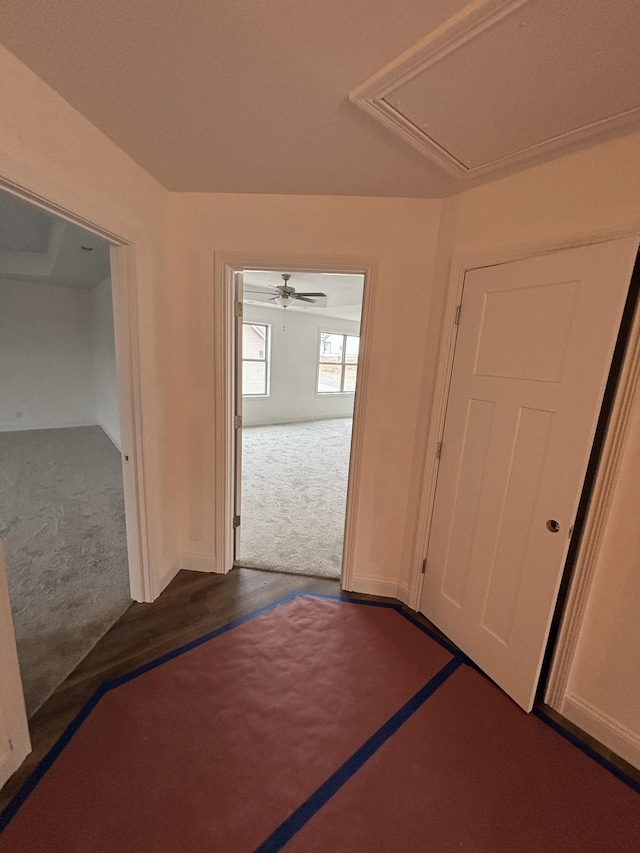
pixel 486 91
pixel 38 247
pixel 343 292
pixel 253 96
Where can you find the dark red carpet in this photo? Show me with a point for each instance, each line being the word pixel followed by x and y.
pixel 212 750
pixel 319 726
pixel 470 771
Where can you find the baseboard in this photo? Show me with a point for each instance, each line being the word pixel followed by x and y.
pixel 374 586
pixel 111 437
pixel 622 740
pixel 402 593
pixel 168 576
pixel 197 562
pixel 24 427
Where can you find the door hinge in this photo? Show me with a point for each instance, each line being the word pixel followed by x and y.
pixel 457 320
pixel 236 521
pixel 237 421
pixel 238 309
pixel 570 534
pixel 439 450
pixel 424 565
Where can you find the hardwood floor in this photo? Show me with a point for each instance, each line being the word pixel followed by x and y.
pixel 192 605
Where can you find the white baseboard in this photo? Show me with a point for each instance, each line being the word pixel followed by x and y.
pixel 402 593
pixel 374 586
pixel 111 437
pixel 622 740
pixel 28 425
pixel 198 562
pixel 168 576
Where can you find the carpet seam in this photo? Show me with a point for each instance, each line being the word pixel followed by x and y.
pixel 36 776
pixel 321 796
pixel 459 659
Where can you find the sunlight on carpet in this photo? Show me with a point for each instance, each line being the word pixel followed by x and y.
pixel 294 492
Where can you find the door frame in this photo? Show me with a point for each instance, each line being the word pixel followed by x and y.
pixel 602 492
pixel 226 264
pixel 13 714
pixel 125 314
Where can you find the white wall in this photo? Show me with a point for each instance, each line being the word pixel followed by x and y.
pixel 46 358
pixel 399 237
pixel 294 367
pixel 592 193
pixel 50 150
pixel 107 413
pixel 57 358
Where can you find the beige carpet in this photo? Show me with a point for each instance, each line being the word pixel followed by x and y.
pixel 63 531
pixel 294 489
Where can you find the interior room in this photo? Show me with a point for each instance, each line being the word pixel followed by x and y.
pixel 479 164
pixel 299 373
pixel 61 494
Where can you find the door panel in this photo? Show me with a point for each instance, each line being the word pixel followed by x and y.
pixel 532 357
pixel 14 730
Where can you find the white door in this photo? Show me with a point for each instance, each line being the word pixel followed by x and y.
pixel 14 730
pixel 237 434
pixel 532 357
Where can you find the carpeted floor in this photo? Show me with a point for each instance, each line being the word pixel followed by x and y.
pixel 294 491
pixel 317 725
pixel 63 531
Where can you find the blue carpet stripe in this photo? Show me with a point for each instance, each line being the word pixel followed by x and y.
pixel 328 789
pixel 23 793
pixel 389 605
pixel 10 811
pixel 280 837
pixel 583 747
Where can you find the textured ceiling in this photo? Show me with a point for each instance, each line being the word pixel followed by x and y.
pixel 23 228
pixel 343 300
pixel 38 247
pixel 517 78
pixel 241 95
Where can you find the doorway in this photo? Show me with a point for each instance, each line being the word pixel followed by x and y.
pixel 61 301
pixel 62 518
pixel 298 343
pixel 525 386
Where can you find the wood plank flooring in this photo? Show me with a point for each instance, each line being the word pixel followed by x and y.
pixel 192 605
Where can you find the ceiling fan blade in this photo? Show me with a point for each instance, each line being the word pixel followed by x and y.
pixel 304 293
pixel 303 298
pixel 264 292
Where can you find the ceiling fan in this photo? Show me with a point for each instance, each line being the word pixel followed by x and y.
pixel 286 295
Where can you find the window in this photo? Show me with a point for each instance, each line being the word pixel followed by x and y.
pixel 255 360
pixel 337 363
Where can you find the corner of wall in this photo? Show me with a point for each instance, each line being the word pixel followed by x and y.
pixel 604 728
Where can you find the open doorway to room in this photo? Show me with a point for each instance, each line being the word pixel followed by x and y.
pixel 62 513
pixel 296 368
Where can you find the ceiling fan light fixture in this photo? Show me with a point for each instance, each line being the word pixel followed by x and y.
pixel 285 300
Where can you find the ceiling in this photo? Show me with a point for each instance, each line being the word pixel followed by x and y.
pixel 41 248
pixel 343 292
pixel 252 96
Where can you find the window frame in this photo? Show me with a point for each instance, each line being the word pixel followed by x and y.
pixel 343 363
pixel 266 361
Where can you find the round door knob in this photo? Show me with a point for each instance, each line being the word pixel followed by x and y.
pixel 553 526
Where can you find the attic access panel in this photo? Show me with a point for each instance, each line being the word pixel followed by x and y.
pixel 501 82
